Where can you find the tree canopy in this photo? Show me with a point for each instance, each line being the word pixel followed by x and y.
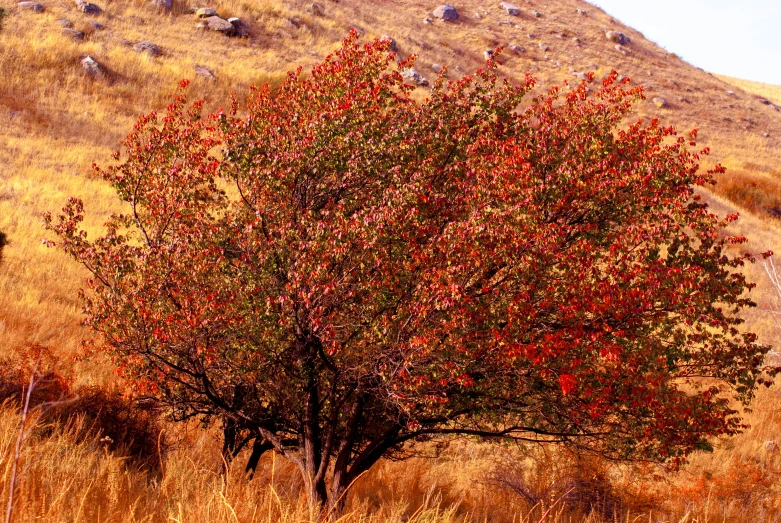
pixel 340 269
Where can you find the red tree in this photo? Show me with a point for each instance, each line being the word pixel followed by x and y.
pixel 344 270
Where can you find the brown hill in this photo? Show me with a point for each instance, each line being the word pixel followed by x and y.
pixel 56 119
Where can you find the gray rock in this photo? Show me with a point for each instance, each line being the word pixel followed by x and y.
pixel 623 50
pixel 31 6
pixel 515 48
pixel 315 9
pixel 730 93
pixel 580 75
pixel 488 54
pixel 97 26
pixel 165 5
pixel 205 12
pixel 582 12
pixel 437 68
pixel 536 14
pixel 148 48
pixel 87 7
pixel 446 12
pixel 511 9
pixel 413 76
pixel 62 22
pixel 294 22
pixel 240 27
pixel 428 20
pixel 392 46
pixel 91 67
pixel 576 40
pixel 770 445
pixel 218 25
pixel 204 72
pixel 72 34
pixel 544 47
pixel 617 37
pixel 660 102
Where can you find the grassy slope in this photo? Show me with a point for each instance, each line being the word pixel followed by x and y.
pixel 54 122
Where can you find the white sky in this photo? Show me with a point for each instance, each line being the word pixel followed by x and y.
pixel 740 38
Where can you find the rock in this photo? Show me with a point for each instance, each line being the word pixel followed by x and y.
pixel 510 8
pixel 766 102
pixel 436 68
pixel 315 9
pixel 204 72
pixel 580 75
pixel 205 12
pixel 91 67
pixel 148 48
pixel 576 40
pixel 31 6
pixel 660 102
pixel 515 48
pixel 87 7
pixel 582 12
pixel 391 43
pixel 623 50
pixel 294 22
pixel 617 37
pixel 531 36
pixel 62 22
pixel 414 76
pixel 428 20
pixel 97 26
pixel 771 446
pixel 125 42
pixel 164 5
pixel 544 47
pixel 219 25
pixel 446 12
pixel 730 93
pixel 240 27
pixel 536 14
pixel 766 135
pixel 488 54
pixel 72 34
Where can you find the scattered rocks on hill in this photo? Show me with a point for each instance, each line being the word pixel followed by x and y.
pixel 73 34
pixel 240 27
pixel 165 5
pixel 660 102
pixel 415 77
pixel 204 72
pixel 91 66
pixel 511 9
pixel 205 12
pixel 446 12
pixel 315 9
pixel 62 22
pixel 31 6
pixel 218 25
pixel 617 37
pixel 392 46
pixel 148 48
pixel 87 7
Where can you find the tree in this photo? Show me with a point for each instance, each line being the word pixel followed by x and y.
pixel 341 270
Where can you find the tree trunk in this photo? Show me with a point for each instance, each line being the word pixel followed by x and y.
pixel 259 447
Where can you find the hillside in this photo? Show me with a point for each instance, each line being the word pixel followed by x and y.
pixel 56 119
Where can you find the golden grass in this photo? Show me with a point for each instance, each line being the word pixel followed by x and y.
pixel 768 91
pixel 55 121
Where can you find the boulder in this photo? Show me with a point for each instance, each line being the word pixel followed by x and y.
pixel 91 66
pixel 219 25
pixel 87 7
pixel 205 12
pixel 315 9
pixel 31 6
pixel 446 12
pixel 62 22
pixel 73 34
pixel 148 48
pixel 97 26
pixel 617 37
pixel 660 102
pixel 392 46
pixel 437 68
pixel 204 72
pixel 511 9
pixel 413 76
pixel 164 5
pixel 240 27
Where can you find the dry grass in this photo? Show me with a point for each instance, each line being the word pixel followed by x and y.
pixel 55 121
